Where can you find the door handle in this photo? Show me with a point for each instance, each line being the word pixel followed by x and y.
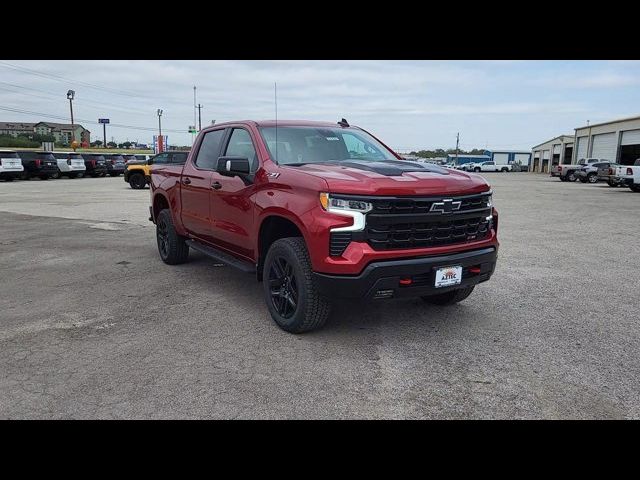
pixel 186 181
pixel 216 185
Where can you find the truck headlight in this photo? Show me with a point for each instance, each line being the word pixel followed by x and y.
pixel 355 209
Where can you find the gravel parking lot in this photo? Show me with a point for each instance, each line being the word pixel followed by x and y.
pixel 94 325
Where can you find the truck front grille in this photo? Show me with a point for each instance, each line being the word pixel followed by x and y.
pixel 410 222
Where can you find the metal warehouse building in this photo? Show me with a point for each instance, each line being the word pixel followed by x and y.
pixel 558 150
pixel 616 141
pixel 505 157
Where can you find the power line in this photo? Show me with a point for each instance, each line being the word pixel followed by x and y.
pixel 58 117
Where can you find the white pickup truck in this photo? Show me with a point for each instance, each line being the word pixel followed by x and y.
pixel 491 167
pixel 630 176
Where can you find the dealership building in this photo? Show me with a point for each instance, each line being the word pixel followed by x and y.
pixel 557 151
pixel 617 141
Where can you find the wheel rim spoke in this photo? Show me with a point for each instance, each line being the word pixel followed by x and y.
pixel 283 287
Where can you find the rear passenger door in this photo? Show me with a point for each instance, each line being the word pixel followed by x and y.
pixel 195 185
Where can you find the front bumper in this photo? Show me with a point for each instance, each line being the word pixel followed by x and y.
pixel 382 279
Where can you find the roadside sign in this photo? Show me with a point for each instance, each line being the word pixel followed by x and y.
pixel 103 120
pixel 192 129
pixel 160 146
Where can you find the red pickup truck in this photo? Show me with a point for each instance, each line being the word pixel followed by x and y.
pixel 319 211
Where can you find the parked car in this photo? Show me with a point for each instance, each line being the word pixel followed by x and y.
pixel 630 175
pixel 491 167
pixel 38 164
pixel 566 172
pixel 608 174
pixel 115 164
pixel 70 164
pixel 590 171
pixel 138 175
pixel 10 165
pixel 321 214
pixel 95 163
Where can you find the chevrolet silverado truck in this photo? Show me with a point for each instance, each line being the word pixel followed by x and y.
pixel 319 211
pixel 629 176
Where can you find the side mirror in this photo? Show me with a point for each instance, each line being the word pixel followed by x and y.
pixel 233 166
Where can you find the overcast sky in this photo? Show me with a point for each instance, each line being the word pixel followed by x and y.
pixel 408 104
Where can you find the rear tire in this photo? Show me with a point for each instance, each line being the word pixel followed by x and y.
pixel 56 175
pixel 172 247
pixel 290 291
pixel 592 178
pixel 449 298
pixel 137 181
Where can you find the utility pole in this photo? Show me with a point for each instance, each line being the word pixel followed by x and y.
pixel 70 95
pixel 457 145
pixel 199 117
pixel 194 114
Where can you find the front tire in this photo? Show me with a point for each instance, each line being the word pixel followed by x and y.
pixel 172 247
pixel 291 294
pixel 137 181
pixel 592 178
pixel 449 298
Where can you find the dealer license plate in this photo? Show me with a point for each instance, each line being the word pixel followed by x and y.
pixel 447 276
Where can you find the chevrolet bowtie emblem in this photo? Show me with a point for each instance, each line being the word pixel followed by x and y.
pixel 445 206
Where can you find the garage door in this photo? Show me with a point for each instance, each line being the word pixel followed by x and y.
pixel 630 137
pixel 545 154
pixel 501 158
pixel 582 148
pixel 605 146
pixel 522 158
pixel 556 149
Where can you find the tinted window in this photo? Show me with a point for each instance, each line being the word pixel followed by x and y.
pixel 161 158
pixel 209 150
pixel 9 155
pixel 179 158
pixel 240 145
pixel 48 156
pixel 117 158
pixel 27 155
pixel 61 156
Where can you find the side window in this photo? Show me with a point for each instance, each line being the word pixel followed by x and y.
pixel 161 158
pixel 179 158
pixel 209 150
pixel 241 145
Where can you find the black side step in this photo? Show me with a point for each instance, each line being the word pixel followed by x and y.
pixel 222 256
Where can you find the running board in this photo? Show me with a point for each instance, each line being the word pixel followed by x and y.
pixel 222 256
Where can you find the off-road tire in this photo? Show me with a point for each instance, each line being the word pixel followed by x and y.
pixel 449 298
pixel 137 181
pixel 312 309
pixel 175 250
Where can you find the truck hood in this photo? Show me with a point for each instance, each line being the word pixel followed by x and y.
pixel 394 178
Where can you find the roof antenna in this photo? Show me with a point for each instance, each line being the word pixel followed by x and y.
pixel 343 123
pixel 275 97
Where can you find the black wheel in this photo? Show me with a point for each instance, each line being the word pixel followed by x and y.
pixel 44 177
pixel 172 247
pixel 114 174
pixel 612 184
pixel 592 178
pixel 476 170
pixel 563 179
pixel 504 170
pixel 25 176
pixel 635 187
pixel 571 176
pixel 449 298
pixel 79 174
pixel 290 291
pixel 137 181
pixel 56 175
pixel 72 175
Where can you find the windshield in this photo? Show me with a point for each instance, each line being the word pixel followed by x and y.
pixel 300 145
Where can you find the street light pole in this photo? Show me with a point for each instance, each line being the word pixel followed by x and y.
pixel 70 95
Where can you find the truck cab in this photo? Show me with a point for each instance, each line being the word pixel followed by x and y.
pixel 318 211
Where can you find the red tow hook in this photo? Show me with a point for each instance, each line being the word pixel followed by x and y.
pixel 406 281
